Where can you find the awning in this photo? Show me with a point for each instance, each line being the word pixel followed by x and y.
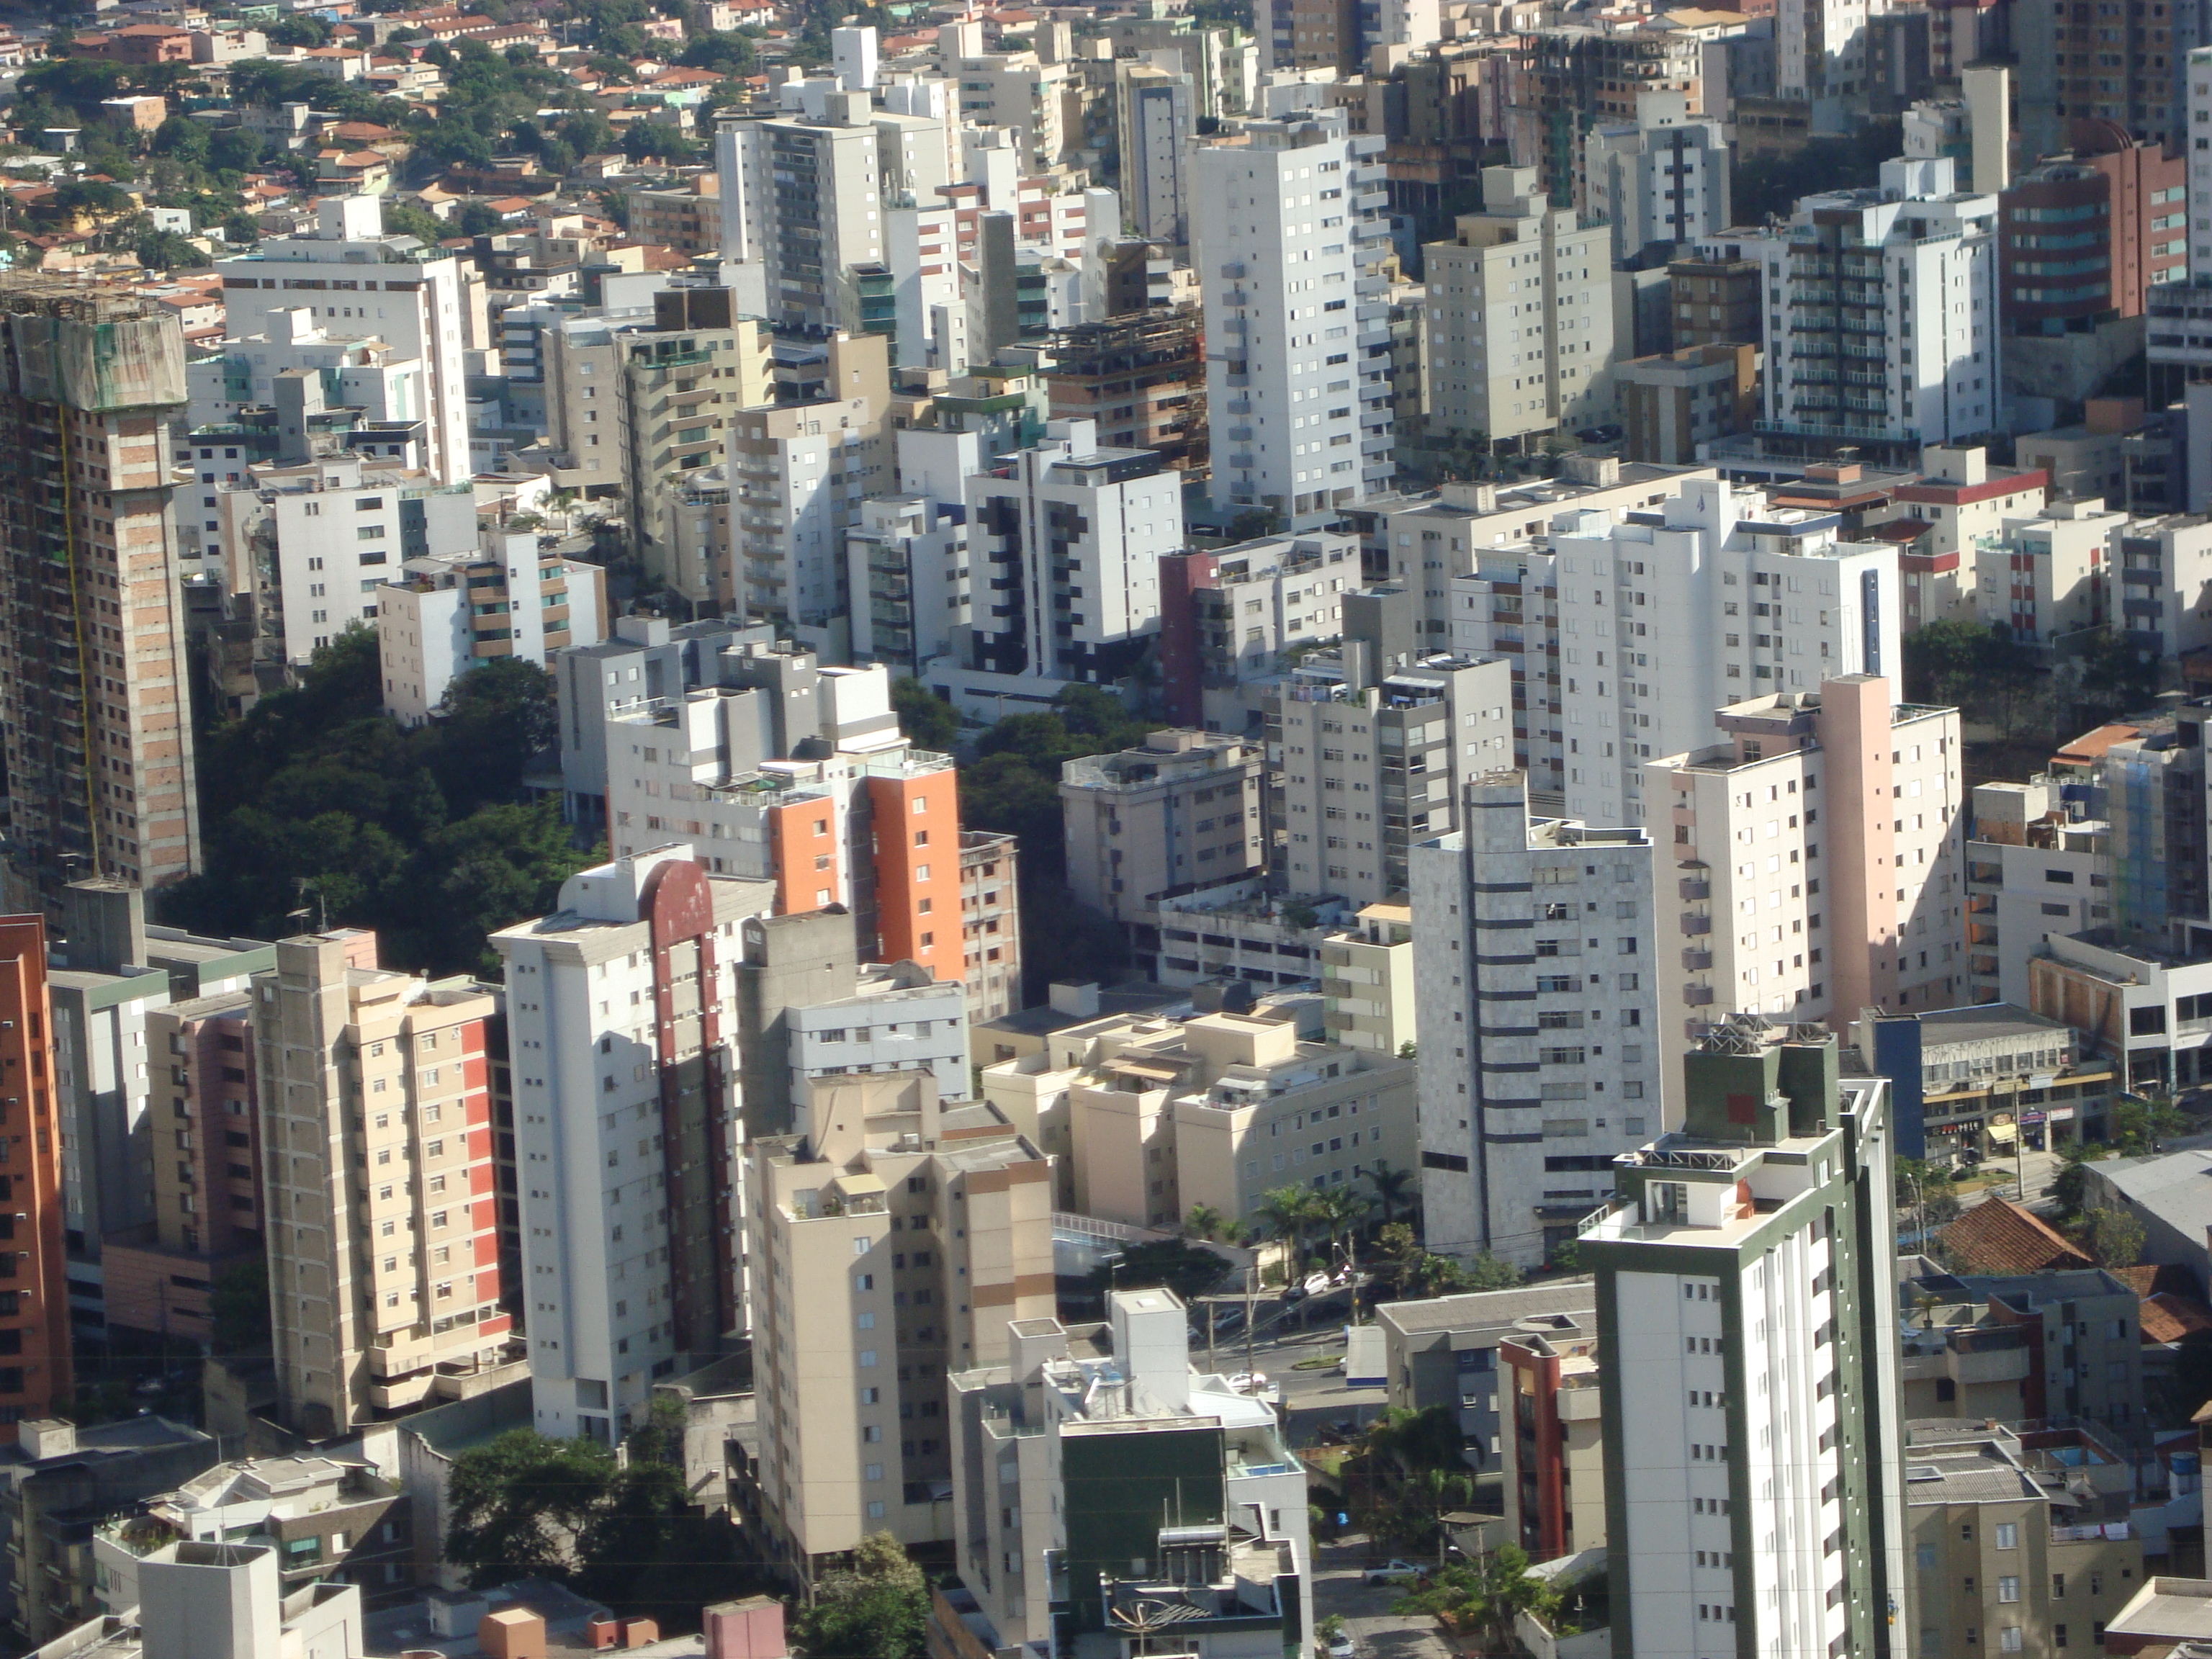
pixel 2003 1132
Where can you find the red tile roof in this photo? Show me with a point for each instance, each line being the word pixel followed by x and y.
pixel 2169 1318
pixel 1998 1236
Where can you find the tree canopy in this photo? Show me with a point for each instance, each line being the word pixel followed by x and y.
pixel 318 801
pixel 878 1609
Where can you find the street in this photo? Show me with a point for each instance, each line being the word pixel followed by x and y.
pixel 1339 1588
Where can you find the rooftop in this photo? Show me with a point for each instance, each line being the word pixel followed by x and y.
pixel 1999 1237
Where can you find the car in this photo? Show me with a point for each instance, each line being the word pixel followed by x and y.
pixel 1340 1646
pixel 1393 1572
pixel 1317 1283
pixel 1249 1381
pixel 1599 435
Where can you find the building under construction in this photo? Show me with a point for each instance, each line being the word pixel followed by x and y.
pixel 1142 378
pixel 94 699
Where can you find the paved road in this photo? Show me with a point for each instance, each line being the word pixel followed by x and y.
pixel 1378 1632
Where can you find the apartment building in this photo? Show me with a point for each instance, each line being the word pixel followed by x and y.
pixel 1719 593
pixel 1145 1111
pixel 621 1028
pixel 1519 338
pixel 209 1215
pixel 642 660
pixel 2009 1552
pixel 94 700
pixel 1141 376
pixel 2160 569
pixel 907 570
pixel 1965 503
pixel 1754 1451
pixel 1156 111
pixel 439 618
pixel 2067 1342
pixel 1660 177
pixel 1446 1350
pixel 1108 1451
pixel 896 1016
pixel 1372 757
pixel 890 1248
pixel 379 1176
pixel 1985 1078
pixel 310 546
pixel 40 1368
pixel 1523 1108
pixel 2037 866
pixel 1891 298
pixel 1068 536
pixel 990 924
pixel 1367 979
pixel 1232 616
pixel 1819 860
pixel 686 216
pixel 1287 235
pixel 225 1600
pixel 2051 574
pixel 2138 74
pixel 1674 403
pixel 1717 295
pixel 417 305
pixel 1553 1441
pixel 809 209
pixel 797 470
pixel 1182 812
pixel 109 977
pixel 1579 74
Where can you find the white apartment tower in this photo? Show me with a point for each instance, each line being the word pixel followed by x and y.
pixel 622 1022
pixel 1882 304
pixel 1716 597
pixel 1157 105
pixel 1816 860
pixel 1661 178
pixel 1540 1036
pixel 1746 1318
pixel 1288 235
pixel 1520 315
pixel 362 284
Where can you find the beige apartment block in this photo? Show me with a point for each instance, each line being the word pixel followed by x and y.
pixel 383 1202
pixel 990 924
pixel 1817 853
pixel 1181 811
pixel 1147 1117
pixel 2014 1551
pixel 892 1245
pixel 1367 977
pixel 2049 574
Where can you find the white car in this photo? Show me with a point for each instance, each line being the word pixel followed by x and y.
pixel 1340 1646
pixel 1393 1572
pixel 1249 1381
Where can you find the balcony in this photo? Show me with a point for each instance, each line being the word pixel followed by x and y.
pixel 1698 996
pixel 1697 926
pixel 1696 961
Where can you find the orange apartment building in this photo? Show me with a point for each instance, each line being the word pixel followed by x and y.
pixel 34 1315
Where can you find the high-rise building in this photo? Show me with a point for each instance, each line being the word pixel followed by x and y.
pixel 414 303
pixel 1716 291
pixel 1820 57
pixel 892 1245
pixel 1519 336
pixel 1541 1036
pixel 1578 74
pixel 1073 535
pixel 94 669
pixel 1661 178
pixel 1552 1441
pixel 1373 757
pixel 1884 302
pixel 990 924
pixel 1232 616
pixel 1367 975
pixel 2038 865
pixel 2134 70
pixel 1819 860
pixel 1148 1480
pixel 1725 596
pixel 1155 101
pixel 797 470
pixel 1964 503
pixel 1181 812
pixel 1747 1315
pixel 1671 405
pixel 439 618
pixel 34 1287
pixel 622 1028
pixel 1140 375
pixel 1288 235
pixel 808 208
pixel 379 1179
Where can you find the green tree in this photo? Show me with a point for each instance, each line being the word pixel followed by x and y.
pixel 1486 1595
pixel 878 1609
pixel 928 720
pixel 2115 1237
pixel 299 30
pixel 1769 186
pixel 1390 1188
pixel 2071 1183
pixel 1484 1272
pixel 2117 676
pixel 413 219
pixel 724 53
pixel 234 149
pixel 164 249
pixel 1288 1211
pixel 481 219
pixel 520 1505
pixel 2135 1124
pixel 1186 1269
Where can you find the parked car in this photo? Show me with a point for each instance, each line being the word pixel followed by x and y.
pixel 1393 1572
pixel 1249 1381
pixel 1340 1646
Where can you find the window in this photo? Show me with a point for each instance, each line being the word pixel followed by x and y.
pixel 2008 1535
pixel 2008 1589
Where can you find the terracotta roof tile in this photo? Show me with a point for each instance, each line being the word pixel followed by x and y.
pixel 2169 1318
pixel 1998 1236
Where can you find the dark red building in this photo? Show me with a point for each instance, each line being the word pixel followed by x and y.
pixel 2087 233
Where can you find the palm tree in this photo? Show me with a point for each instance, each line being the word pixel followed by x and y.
pixel 1389 1186
pixel 1204 1221
pixel 1337 1210
pixel 1286 1211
